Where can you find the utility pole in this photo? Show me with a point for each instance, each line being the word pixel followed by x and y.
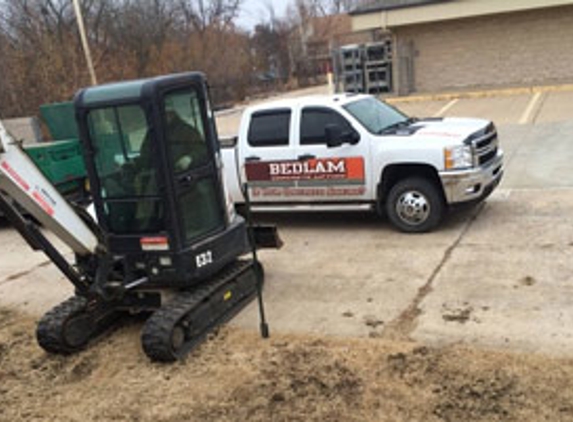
pixel 85 45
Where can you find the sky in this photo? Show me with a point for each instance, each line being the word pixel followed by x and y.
pixel 255 11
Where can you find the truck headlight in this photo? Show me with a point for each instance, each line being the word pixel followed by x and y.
pixel 458 157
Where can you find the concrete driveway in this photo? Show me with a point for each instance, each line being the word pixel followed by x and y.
pixel 499 275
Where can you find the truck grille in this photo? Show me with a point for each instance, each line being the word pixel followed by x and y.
pixel 485 144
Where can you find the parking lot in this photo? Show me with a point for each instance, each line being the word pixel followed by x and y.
pixel 496 276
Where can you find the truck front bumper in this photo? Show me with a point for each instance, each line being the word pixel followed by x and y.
pixel 473 184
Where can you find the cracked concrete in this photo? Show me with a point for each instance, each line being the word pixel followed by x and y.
pixel 402 327
pixel 20 274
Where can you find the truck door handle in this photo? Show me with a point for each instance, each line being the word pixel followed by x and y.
pixel 305 157
pixel 252 158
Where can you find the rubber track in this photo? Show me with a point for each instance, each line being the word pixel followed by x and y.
pixel 49 330
pixel 157 331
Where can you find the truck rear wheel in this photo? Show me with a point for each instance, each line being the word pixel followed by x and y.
pixel 415 205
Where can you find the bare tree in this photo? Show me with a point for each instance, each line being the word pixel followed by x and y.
pixel 42 60
pixel 201 15
pixel 40 52
pixel 317 8
pixel 136 30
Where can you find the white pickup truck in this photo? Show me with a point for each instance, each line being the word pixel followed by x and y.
pixel 354 152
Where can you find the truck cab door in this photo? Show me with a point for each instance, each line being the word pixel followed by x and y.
pixel 334 170
pixel 266 148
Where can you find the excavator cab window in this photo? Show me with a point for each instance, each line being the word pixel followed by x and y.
pixel 128 179
pixel 197 190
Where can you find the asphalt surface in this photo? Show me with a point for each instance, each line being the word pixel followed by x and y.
pixel 498 275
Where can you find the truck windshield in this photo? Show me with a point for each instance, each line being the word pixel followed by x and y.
pixel 375 115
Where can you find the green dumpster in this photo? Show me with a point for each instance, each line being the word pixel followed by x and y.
pixel 62 163
pixel 61 120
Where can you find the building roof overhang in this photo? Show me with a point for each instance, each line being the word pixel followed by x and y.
pixel 397 13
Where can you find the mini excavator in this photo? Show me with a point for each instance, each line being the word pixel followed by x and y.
pixel 161 237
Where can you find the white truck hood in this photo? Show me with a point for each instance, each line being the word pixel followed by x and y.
pixel 447 131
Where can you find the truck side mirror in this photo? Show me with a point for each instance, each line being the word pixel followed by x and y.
pixel 336 136
pixel 353 137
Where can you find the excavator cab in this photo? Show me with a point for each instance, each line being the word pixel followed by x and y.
pixel 165 239
pixel 154 167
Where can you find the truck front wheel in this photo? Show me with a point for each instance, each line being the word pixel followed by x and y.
pixel 415 205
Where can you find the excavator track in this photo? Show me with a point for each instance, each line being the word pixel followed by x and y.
pixel 70 326
pixel 176 328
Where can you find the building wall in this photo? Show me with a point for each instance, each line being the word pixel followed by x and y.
pixel 519 48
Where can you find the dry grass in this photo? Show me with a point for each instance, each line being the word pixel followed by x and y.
pixel 236 376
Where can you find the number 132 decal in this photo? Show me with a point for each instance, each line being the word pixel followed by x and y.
pixel 204 259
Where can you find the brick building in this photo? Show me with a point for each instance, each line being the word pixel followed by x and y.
pixel 464 44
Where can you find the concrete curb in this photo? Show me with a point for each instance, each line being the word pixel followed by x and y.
pixel 449 96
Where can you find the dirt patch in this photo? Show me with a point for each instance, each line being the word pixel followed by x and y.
pixel 372 321
pixel 491 394
pixel 313 384
pixel 527 281
pixel 6 316
pixel 459 314
pixel 237 376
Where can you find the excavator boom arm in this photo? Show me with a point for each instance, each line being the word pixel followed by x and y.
pixel 23 182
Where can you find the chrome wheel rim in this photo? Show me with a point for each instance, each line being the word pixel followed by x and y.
pixel 413 208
